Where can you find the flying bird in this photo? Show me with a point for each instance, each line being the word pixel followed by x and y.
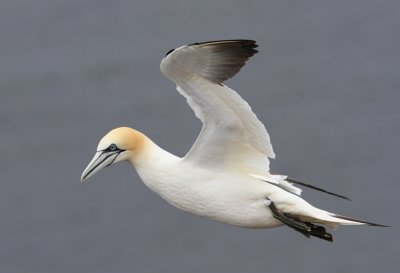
pixel 225 175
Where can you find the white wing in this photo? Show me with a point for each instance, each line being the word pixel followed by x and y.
pixel 232 136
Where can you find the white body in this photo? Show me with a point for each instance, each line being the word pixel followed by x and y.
pixel 225 175
pixel 228 196
pixel 233 198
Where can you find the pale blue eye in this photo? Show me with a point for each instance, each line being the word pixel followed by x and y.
pixel 112 147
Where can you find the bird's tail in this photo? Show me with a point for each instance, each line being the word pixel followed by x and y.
pixel 330 219
pixel 306 223
pixel 344 220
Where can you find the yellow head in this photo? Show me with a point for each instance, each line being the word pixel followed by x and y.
pixel 118 145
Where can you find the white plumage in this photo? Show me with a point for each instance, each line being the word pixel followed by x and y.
pixel 225 175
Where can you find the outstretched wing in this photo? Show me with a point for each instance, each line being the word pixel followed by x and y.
pixel 232 136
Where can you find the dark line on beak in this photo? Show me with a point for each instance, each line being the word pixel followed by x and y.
pixel 117 154
pixel 98 156
pixel 95 167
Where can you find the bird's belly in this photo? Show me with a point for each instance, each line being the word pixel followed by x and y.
pixel 218 201
pixel 243 214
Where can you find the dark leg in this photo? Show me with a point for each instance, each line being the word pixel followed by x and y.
pixel 305 228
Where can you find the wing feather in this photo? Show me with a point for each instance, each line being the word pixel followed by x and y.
pixel 231 133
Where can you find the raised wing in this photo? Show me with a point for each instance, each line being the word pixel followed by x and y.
pixel 232 136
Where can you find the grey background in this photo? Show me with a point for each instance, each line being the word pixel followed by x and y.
pixel 326 84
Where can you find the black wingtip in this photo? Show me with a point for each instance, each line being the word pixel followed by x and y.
pixel 316 188
pixel 169 52
pixel 359 221
pixel 377 225
pixel 224 59
pixel 249 45
pixel 243 41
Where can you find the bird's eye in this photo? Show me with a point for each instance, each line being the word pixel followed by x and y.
pixel 112 147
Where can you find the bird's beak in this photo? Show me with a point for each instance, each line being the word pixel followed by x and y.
pixel 100 160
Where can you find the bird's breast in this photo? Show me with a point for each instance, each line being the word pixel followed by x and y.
pixel 181 186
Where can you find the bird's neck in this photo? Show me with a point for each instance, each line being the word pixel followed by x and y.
pixel 153 164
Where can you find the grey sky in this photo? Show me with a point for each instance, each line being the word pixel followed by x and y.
pixel 325 83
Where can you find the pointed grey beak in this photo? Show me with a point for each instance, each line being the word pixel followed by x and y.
pixel 100 160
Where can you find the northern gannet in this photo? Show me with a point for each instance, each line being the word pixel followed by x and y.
pixel 225 176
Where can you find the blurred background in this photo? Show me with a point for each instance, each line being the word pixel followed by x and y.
pixel 325 83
